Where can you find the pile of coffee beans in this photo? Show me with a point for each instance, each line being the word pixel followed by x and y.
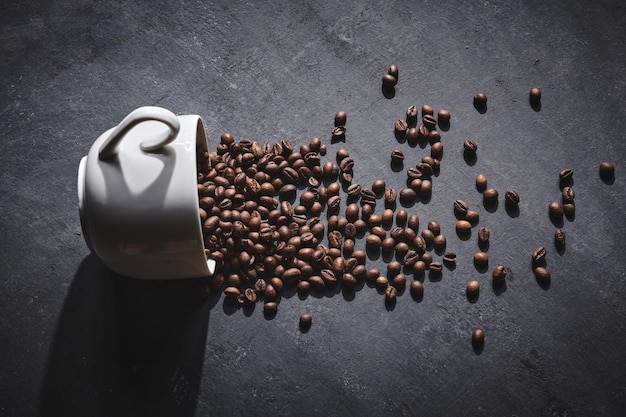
pixel 276 215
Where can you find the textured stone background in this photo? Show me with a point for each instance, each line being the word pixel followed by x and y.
pixel 79 340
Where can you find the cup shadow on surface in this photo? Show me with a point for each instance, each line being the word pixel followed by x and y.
pixel 124 346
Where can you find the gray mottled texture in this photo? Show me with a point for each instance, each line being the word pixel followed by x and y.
pixel 78 340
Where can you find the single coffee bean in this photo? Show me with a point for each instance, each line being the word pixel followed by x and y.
pixel 434 227
pixel 372 274
pixel 511 197
pixel 490 196
pixel 400 127
pixel 305 321
pixel 391 293
pixel 393 70
pixel 483 235
pixel 569 209
pixel 478 339
pixel 435 267
pixel 607 171
pixel 473 217
pixel 340 118
pixel 472 288
pixel 417 289
pixel 427 188
pixel 387 217
pixel 443 117
pixel 412 135
pixel 382 282
pixel 270 308
pixel 408 195
pixel 566 175
pixel 338 132
pixel 393 268
pixel 390 196
pixel 346 164
pixel 460 208
pixel 542 275
pixel 555 210
pixel 378 187
pixel 419 267
pixel 411 114
pixel 352 212
pixel 419 244
pixel 439 243
pixel 427 258
pixel 374 220
pixel 538 255
pixel 463 227
pixel 270 292
pixel 499 274
pixel 559 238
pixel 436 150
pixel 303 288
pixel 413 222
pixel 389 81
pixel 480 100
pixel 373 241
pixel 349 280
pixel 534 95
pixel 567 194
pixel 333 202
pixel 481 259
pixel 354 190
pixel 426 109
pixel 449 257
pixel 388 244
pixel 428 236
pixel 232 292
pixel 470 146
pixel 397 156
pixel 481 182
pixel 429 121
pixel 399 281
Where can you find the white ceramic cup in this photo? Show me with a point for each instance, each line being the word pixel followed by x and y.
pixel 138 196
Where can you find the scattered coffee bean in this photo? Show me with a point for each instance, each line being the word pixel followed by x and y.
pixel 417 289
pixel 408 195
pixel 566 175
pixel 270 308
pixel 480 100
pixel 559 238
pixel 511 197
pixel 378 187
pixel 534 95
pixel 393 70
pixel 372 274
pixel 499 274
pixel 389 81
pixel 607 171
pixel 382 282
pixel 391 293
pixel 569 210
pixel 463 227
pixel 397 156
pixel 435 267
pixel 542 275
pixel 481 182
pixel 338 132
pixel 567 194
pixel 305 321
pixel 490 196
pixel 436 150
pixel 443 117
pixel 373 242
pixel 539 255
pixel 439 243
pixel 232 292
pixel 399 281
pixel 472 288
pixel 401 217
pixel 478 339
pixel 340 118
pixel 555 210
pixel 483 235
pixel 400 127
pixel 470 146
pixel 481 259
pixel 449 257
pixel 460 208
pixel 429 121
pixel 473 217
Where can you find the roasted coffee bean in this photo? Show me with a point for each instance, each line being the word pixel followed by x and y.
pixel 411 114
pixel 429 121
pixel 378 187
pixel 390 196
pixel 429 237
pixel 481 182
pixel 425 168
pixel 249 297
pixel 399 281
pixel 335 239
pixel 436 150
pixel 277 283
pixel 328 276
pixel 490 196
pixel 372 274
pixel 354 190
pixel 349 280
pixel 470 146
pixel 410 258
pixel 413 222
pixel 340 118
pixel 511 197
pixel 478 339
pixel 538 256
pixel 499 274
pixel 480 100
pixel 291 275
pixel 317 282
pixel 391 293
pixel 419 267
pixel 382 282
pixel 443 117
pixel 559 238
pixel 417 289
pixel 566 175
pixel 393 268
pixel 350 231
pixel 472 288
pixel 483 235
pixel 607 170
pixel 435 267
pixel 232 292
pixel 393 70
pixel 463 227
pixel 473 217
pixel 379 231
pixel 305 322
pixel 338 132
pixel 427 188
pixel 400 127
pixel 270 292
pixel 397 233
pixel 341 154
pixel 449 257
pixel 408 195
pixel 270 308
pixel 426 109
pixel 389 81
pixel 481 259
pixel 387 217
pixel 542 275
pixel 368 196
pixel 419 244
pixel 374 220
pixel 460 208
pixel 567 194
pixel 346 164
pixel 414 174
pixel 333 202
pixel 439 243
pixel 397 156
pixel 401 217
pixel 434 227
pixel 352 212
pixel 373 241
pixel 569 209
pixel 534 95
pixel 555 210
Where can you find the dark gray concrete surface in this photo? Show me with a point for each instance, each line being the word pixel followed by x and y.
pixel 78 340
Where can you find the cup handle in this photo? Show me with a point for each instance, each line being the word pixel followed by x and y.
pixel 142 114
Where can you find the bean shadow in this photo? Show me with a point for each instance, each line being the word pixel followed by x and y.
pixel 470 158
pixel 608 179
pixel 480 108
pixel 535 105
pixel 388 92
pixel 512 210
pixel 126 347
